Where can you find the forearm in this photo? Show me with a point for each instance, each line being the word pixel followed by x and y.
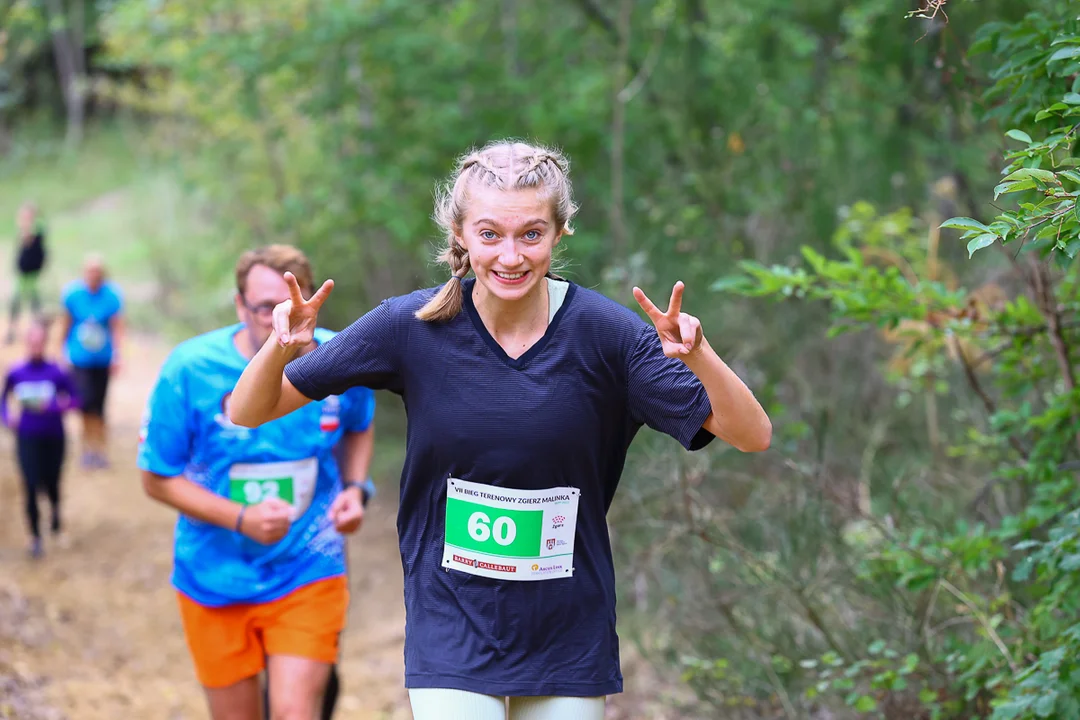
pixel 258 391
pixel 737 417
pixel 118 331
pixel 357 450
pixel 192 499
pixel 65 329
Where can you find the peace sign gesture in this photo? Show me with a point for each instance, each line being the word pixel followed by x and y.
pixel 680 334
pixel 296 318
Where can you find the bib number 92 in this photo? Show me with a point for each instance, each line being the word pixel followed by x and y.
pixel 502 530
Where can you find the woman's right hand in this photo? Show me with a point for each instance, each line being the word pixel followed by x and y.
pixel 296 318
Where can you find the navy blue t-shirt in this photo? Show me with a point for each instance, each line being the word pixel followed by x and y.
pixel 563 414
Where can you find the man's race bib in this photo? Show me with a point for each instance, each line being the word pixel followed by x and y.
pixel 92 335
pixel 292 481
pixel 510 534
pixel 35 396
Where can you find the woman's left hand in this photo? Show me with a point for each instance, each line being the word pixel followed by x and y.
pixel 680 334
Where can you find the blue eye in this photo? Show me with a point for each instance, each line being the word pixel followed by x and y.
pixel 488 234
pixel 534 235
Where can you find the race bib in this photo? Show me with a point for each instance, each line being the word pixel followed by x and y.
pixel 292 481
pixel 510 534
pixel 92 335
pixel 35 396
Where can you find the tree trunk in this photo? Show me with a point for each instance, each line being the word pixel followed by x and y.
pixel 67 36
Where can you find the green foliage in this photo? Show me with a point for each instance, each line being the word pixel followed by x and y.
pixel 1038 85
pixel 983 641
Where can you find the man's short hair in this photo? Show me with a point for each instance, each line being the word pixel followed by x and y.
pixel 282 258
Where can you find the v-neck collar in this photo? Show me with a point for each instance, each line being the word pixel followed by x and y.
pixel 537 347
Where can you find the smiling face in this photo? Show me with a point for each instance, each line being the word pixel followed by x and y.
pixel 510 236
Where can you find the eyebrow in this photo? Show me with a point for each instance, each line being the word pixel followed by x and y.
pixel 489 221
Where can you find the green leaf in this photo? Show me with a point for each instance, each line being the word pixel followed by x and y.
pixel 964 223
pixel 876 647
pixel 1072 98
pixel 1065 53
pixel 1045 705
pixel 1050 111
pixel 1011 187
pixel 984 240
pixel 911 662
pixel 1023 570
pixel 1033 173
pixel 866 704
pixel 808 664
pixel 927 696
pixel 1019 135
pixel 732 283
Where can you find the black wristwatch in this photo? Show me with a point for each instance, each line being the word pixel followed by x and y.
pixel 367 489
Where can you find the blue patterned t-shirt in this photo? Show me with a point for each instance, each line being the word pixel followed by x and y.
pixel 186 431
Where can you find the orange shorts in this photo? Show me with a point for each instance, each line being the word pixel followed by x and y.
pixel 231 643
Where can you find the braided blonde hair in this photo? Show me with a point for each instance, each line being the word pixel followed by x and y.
pixel 505 165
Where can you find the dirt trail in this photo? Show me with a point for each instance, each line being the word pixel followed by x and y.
pixel 92 631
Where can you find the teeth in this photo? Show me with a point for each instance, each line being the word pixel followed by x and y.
pixel 509 276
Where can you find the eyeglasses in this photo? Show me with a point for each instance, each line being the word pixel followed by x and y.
pixel 263 311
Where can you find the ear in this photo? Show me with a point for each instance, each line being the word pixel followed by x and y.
pixel 559 236
pixel 239 307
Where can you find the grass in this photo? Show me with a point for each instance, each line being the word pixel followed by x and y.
pixel 109 197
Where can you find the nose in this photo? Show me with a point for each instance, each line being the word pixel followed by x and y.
pixel 509 255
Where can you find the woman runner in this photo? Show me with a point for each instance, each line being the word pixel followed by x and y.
pixel 44 392
pixel 523 393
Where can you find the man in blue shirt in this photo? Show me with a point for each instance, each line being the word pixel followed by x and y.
pixel 259 559
pixel 93 333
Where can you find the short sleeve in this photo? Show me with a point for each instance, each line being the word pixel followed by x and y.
pixel 117 300
pixel 359 410
pixel 167 436
pixel 365 354
pixel 665 394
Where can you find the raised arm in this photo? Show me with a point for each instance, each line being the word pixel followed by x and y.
pixel 263 393
pixel 737 417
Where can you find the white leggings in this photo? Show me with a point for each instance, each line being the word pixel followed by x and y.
pixel 445 704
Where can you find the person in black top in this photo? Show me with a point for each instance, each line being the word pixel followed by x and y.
pixel 29 261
